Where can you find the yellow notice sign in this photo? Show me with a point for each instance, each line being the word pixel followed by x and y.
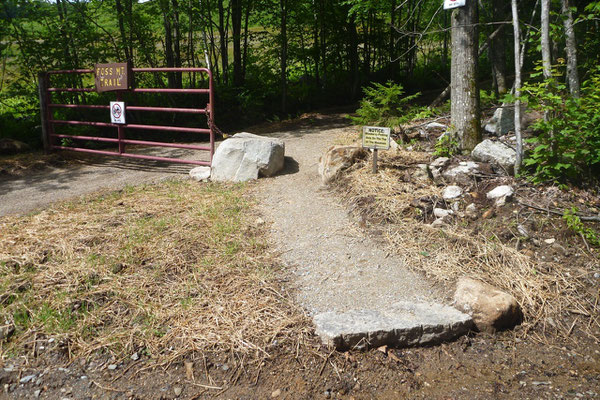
pixel 376 137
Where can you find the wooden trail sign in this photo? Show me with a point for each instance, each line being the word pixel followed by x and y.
pixel 376 138
pixel 112 77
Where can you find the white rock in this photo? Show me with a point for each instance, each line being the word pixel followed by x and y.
pixel 462 172
pixel 435 125
pixel 550 241
pixel 439 162
pixel 421 173
pixel 200 173
pixel 496 153
pixel 441 212
pixel 500 191
pixel 438 223
pixel 452 192
pixel 246 156
pixel 471 211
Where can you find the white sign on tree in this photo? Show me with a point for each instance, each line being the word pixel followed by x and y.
pixel 449 4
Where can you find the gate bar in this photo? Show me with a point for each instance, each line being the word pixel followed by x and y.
pixel 132 108
pixel 134 126
pixel 130 155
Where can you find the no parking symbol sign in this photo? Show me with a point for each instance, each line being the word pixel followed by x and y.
pixel 117 112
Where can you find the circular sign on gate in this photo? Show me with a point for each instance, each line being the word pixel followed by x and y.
pixel 117 114
pixel 117 111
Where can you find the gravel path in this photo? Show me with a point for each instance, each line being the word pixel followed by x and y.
pixel 338 267
pixel 38 189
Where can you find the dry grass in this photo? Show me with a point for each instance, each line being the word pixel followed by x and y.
pixel 546 291
pixel 164 270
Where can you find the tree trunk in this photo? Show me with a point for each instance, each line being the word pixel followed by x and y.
pixel 517 45
pixel 236 26
pixel 169 57
pixel 353 55
pixel 245 56
pixel 283 65
pixel 545 39
pixel 498 50
pixel 223 41
pixel 121 24
pixel 465 110
pixel 571 50
pixel 177 41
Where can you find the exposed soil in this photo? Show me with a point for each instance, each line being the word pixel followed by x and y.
pixel 524 363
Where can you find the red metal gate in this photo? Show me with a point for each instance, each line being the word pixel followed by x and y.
pixel 49 122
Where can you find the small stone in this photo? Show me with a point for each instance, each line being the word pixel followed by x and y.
pixel 177 390
pixel 27 379
pixel 112 367
pixel 500 191
pixel 550 241
pixel 276 393
pixel 438 223
pixel 441 213
pixel 37 393
pixel 488 214
pixel 522 231
pixel 471 211
pixel 135 356
pixel 439 162
pixel 260 221
pixel 596 275
pixel 327 393
pixel 500 194
pixel 225 367
pixel 200 173
pixel 435 125
pixel 452 192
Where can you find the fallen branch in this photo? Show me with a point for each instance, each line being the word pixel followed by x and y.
pixel 589 218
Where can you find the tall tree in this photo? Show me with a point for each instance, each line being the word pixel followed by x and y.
pixel 498 49
pixel 518 64
pixel 236 27
pixel 571 50
pixel 465 107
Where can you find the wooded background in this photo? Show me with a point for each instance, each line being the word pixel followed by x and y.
pixel 275 58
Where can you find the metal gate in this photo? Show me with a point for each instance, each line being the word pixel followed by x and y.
pixel 49 122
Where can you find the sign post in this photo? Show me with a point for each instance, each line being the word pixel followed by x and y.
pixel 376 138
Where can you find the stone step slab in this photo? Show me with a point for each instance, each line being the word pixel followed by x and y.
pixel 404 324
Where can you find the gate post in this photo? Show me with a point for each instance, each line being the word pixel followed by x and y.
pixel 44 110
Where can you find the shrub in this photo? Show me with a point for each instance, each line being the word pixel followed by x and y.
pixel 567 145
pixel 384 105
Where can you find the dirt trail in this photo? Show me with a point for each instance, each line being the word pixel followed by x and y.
pixel 338 268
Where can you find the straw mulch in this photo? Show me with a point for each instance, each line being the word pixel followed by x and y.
pixel 163 270
pixel 547 292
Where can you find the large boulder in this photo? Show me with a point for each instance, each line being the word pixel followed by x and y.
pixel 337 159
pixel 495 153
pixel 491 309
pixel 246 156
pixel 12 146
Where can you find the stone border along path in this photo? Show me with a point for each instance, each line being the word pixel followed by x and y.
pixel 357 293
